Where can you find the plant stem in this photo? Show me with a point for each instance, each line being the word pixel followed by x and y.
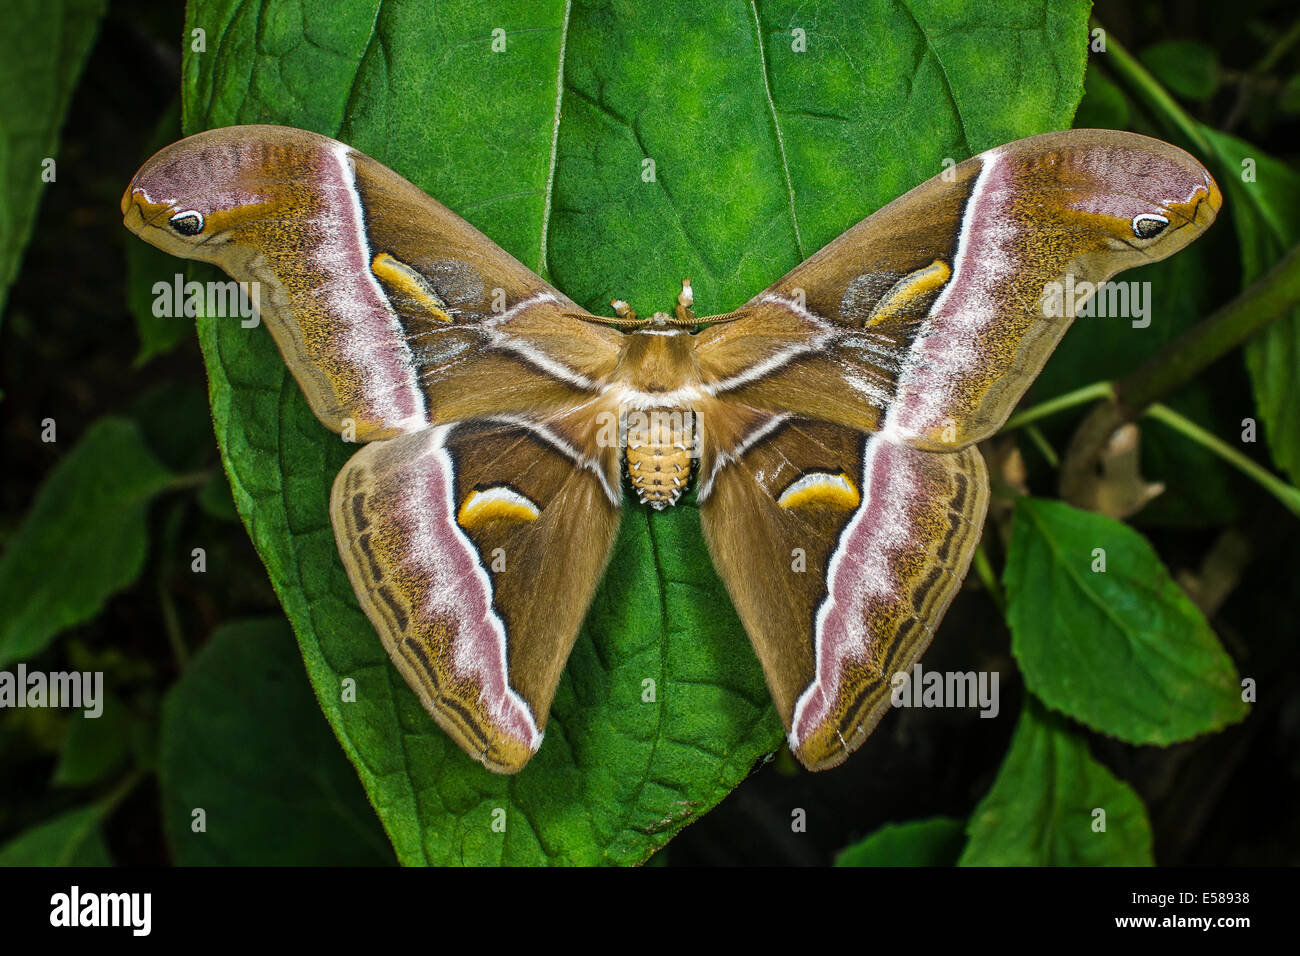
pixel 172 625
pixel 1043 445
pixel 984 568
pixel 1272 296
pixel 1279 49
pixel 1254 79
pixel 193 479
pixel 1060 403
pixel 119 793
pixel 1289 495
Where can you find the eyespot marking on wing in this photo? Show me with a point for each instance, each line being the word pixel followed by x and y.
pixel 1149 225
pixel 188 223
pixel 908 291
pixel 401 281
pixel 499 502
pixel 820 487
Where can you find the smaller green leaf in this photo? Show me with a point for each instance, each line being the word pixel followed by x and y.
pixel 1189 69
pixel 146 267
pixel 215 498
pixel 95 747
pixel 71 839
pixel 83 539
pixel 1103 106
pixel 244 741
pixel 42 49
pixel 1103 634
pixel 934 842
pixel 1053 805
pixel 171 416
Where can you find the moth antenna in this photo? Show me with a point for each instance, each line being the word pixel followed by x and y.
pixel 609 320
pixel 735 316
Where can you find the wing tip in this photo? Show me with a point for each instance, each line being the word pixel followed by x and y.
pixel 507 755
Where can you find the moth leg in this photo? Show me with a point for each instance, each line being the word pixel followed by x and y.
pixel 623 310
pixel 685 300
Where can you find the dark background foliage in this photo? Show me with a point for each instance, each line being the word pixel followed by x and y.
pixel 67 341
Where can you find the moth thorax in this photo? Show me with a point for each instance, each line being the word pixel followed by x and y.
pixel 658 444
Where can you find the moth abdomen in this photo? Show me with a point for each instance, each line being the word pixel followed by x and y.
pixel 658 446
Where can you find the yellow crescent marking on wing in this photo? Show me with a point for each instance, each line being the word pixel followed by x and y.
pixel 907 289
pixel 497 503
pixel 410 284
pixel 821 488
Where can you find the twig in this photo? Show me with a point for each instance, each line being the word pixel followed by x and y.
pixel 984 568
pixel 1079 396
pixel 1289 495
pixel 1268 299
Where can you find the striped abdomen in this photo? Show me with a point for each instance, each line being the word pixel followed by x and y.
pixel 659 444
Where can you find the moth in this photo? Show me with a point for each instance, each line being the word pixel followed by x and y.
pixel 829 424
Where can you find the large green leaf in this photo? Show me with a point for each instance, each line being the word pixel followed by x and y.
pixel 242 742
pixel 42 48
pixel 1043 809
pixel 1102 633
pixel 82 540
pixel 761 154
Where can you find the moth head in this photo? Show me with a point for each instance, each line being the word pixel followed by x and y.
pixel 195 197
pixel 1130 199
